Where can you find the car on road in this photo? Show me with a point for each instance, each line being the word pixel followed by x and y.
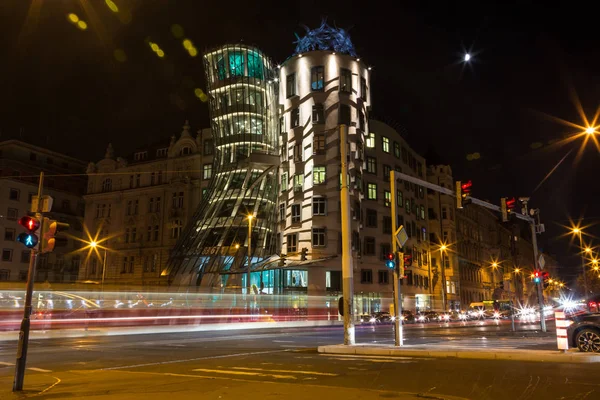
pixel 584 331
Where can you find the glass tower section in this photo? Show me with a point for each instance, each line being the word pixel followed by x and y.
pixel 243 98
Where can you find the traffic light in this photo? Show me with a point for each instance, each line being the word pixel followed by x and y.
pixel 303 254
pixel 537 276
pixel 282 260
pixel 546 279
pixel 407 260
pixel 507 207
pixel 390 261
pixel 463 193
pixel 401 271
pixel 51 228
pixel 29 238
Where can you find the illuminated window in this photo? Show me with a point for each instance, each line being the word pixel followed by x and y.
pixel 236 63
pixel 284 181
pixel 318 175
pixel 385 144
pixel 221 70
pixel 387 198
pixel 207 171
pixel 371 191
pixel 255 67
pixel 298 182
pixel 345 80
pixel 370 143
pixel 290 85
pixel 317 78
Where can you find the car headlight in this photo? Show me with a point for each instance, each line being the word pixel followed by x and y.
pixel 372 320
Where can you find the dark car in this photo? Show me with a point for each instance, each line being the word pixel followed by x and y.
pixel 584 331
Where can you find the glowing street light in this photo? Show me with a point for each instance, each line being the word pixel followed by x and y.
pixel 590 130
pixel 517 270
pixel 443 247
pixel 467 57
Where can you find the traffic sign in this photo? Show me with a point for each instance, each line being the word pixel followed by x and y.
pixel 541 261
pixel 401 236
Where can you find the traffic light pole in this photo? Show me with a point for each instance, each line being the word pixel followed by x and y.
pixel 398 332
pixel 347 272
pixel 26 323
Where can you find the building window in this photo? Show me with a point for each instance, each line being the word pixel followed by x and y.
pixel 371 191
pixel 371 221
pixel 282 209
pixel 14 194
pixel 107 185
pixel 140 155
pixel 386 172
pixel 422 212
pixel 295 118
pixel 446 261
pixel 319 143
pixel 370 246
pixel 384 276
pixel 366 276
pixel 318 114
pixel 361 120
pixel 371 165
pixel 345 80
pixel 207 171
pixel 396 149
pixel 296 214
pixel 25 254
pixel 208 147
pixel 7 255
pixel 177 201
pixel 363 89
pixel 297 152
pixel 387 224
pixel 290 85
pixel 444 213
pixel 318 175
pixel 284 181
pixel 385 144
pixel 385 250
pixel 319 205
pixel 387 198
pixel 399 197
pixel 162 152
pixel 176 229
pixel 370 142
pixel 318 237
pixel 156 232
pixel 9 234
pixel 317 78
pixel 344 118
pixel 292 243
pixel 298 182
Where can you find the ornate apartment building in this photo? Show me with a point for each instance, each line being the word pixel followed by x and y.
pixel 137 207
pixel 20 166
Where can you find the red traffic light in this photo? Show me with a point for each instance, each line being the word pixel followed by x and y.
pixel 390 256
pixel 510 203
pixel 29 223
pixel 466 187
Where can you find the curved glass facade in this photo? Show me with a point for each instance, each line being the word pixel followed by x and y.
pixel 243 92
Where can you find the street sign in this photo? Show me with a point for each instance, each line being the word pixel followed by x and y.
pixel 541 261
pixel 401 236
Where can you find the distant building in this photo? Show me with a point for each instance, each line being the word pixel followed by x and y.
pixel 137 207
pixel 20 166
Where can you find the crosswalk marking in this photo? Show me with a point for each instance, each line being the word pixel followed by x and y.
pixel 230 372
pixel 287 371
pixel 6 363
pixel 39 369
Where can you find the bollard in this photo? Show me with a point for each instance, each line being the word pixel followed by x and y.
pixel 561 331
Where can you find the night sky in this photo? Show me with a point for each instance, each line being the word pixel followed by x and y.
pixel 64 88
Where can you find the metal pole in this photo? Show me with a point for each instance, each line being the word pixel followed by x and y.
pixel 585 283
pixel 347 272
pixel 398 331
pixel 103 272
pixel 442 265
pixel 249 288
pixel 443 271
pixel 26 323
pixel 536 267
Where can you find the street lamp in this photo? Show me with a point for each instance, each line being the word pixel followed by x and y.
pixel 590 130
pixel 443 248
pixel 250 216
pixel 93 245
pixel 577 231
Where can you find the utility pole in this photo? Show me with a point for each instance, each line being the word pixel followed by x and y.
pixel 23 344
pixel 585 282
pixel 347 271
pixel 536 264
pixel 248 285
pixel 398 331
pixel 442 260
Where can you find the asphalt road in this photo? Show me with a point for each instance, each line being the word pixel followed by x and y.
pixel 285 364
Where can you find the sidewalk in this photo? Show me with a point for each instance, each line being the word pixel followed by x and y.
pixel 571 356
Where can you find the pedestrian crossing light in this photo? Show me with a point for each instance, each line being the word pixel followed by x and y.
pixel 390 261
pixel 537 277
pixel 281 262
pixel 29 238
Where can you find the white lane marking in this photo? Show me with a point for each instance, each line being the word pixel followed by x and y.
pixel 39 369
pixel 6 363
pixel 283 341
pixel 193 359
pixel 351 356
pixel 293 345
pixel 285 371
pixel 229 372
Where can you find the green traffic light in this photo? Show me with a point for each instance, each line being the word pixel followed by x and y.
pixel 28 239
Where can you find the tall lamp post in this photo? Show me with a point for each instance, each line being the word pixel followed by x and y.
pixel 443 248
pixel 579 232
pixel 248 285
pixel 94 244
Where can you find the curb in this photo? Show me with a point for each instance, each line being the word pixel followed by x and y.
pixel 512 355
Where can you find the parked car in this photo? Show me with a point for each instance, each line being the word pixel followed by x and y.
pixel 584 331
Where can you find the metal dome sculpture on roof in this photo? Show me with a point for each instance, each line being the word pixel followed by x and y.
pixel 325 38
